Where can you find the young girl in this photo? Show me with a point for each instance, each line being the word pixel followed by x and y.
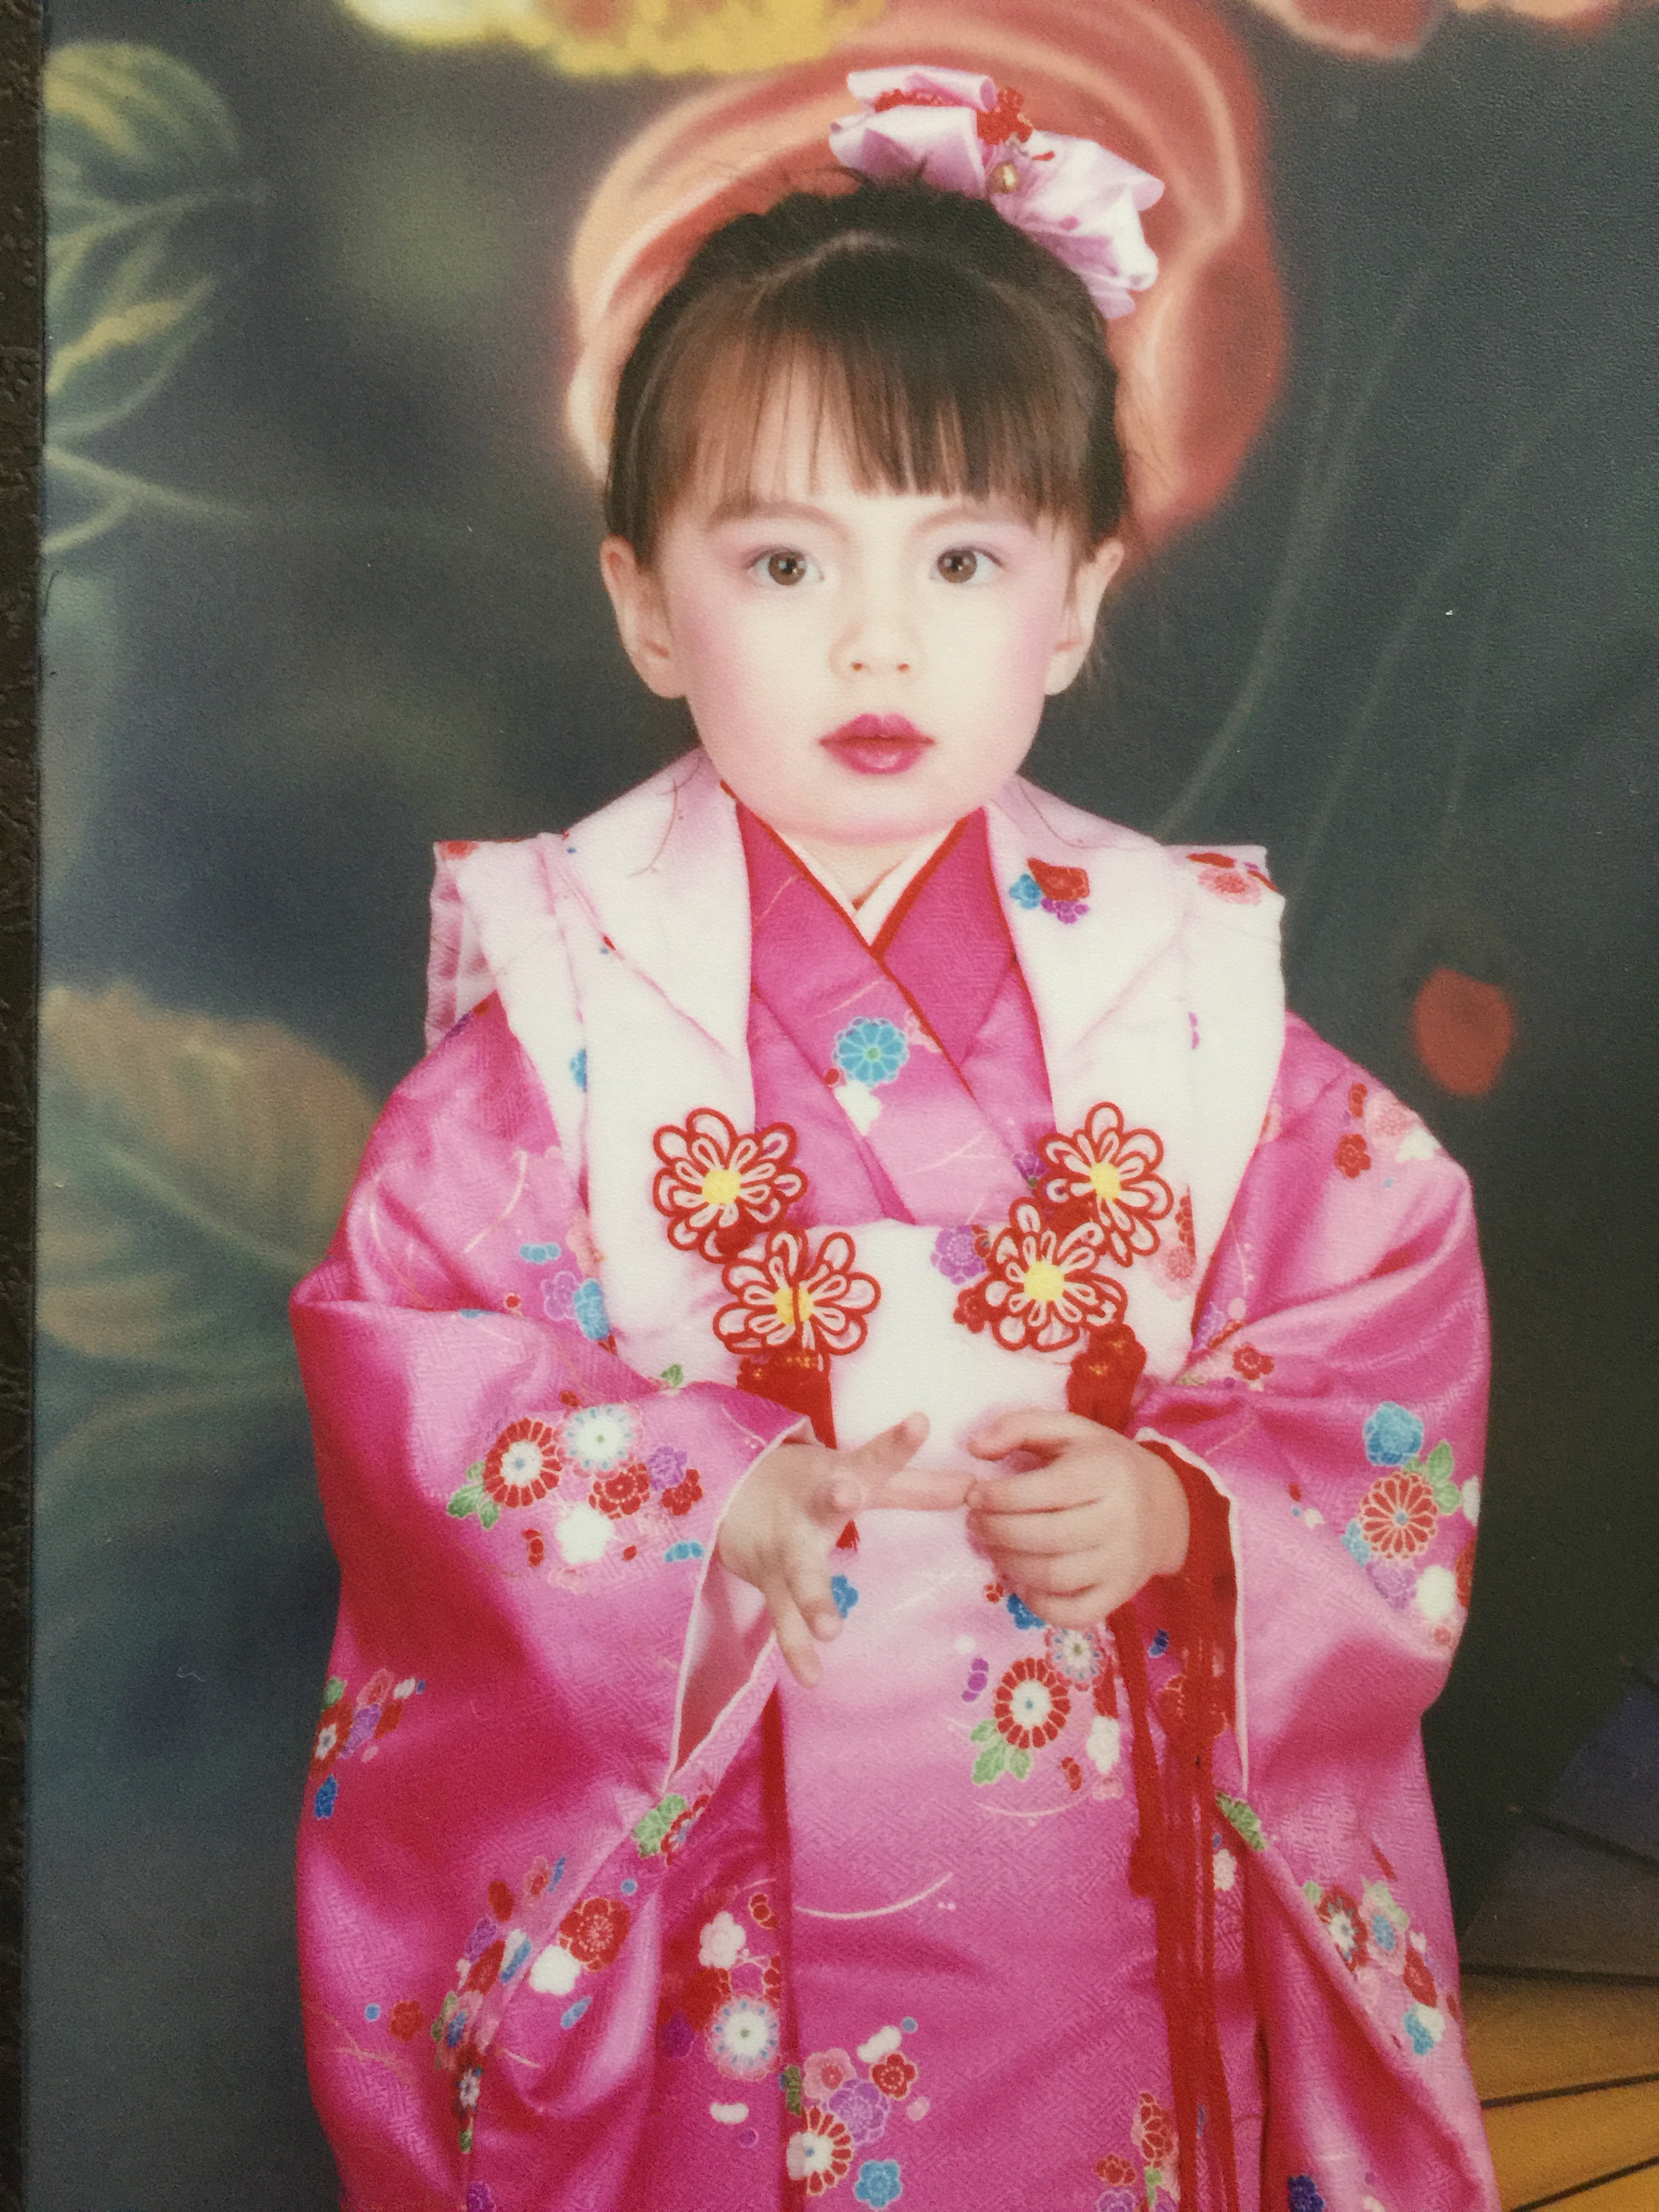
pixel 902 1443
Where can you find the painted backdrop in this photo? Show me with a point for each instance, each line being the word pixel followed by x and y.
pixel 337 289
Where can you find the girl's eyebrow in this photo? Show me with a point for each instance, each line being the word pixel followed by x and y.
pixel 750 506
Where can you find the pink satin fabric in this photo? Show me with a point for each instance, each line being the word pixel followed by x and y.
pixel 637 1955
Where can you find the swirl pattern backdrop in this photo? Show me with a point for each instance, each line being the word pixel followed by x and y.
pixel 339 294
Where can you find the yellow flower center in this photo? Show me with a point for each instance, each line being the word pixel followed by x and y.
pixel 1043 1282
pixel 1108 1183
pixel 722 1186
pixel 792 1304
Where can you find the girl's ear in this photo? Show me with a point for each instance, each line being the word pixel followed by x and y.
pixel 642 618
pixel 1089 580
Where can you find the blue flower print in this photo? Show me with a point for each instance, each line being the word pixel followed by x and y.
pixel 540 1255
pixel 1391 1436
pixel 1159 1644
pixel 843 1593
pixel 588 1306
pixel 871 1051
pixel 517 1951
pixel 1302 2194
pixel 323 1803
pixel 579 1068
pixel 683 1551
pixel 568 2018
pixel 1353 1539
pixel 1023 890
pixel 878 2182
pixel 1021 1613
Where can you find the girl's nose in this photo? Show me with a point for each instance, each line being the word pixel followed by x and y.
pixel 901 667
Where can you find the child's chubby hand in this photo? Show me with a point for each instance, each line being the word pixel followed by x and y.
pixel 1077 1536
pixel 785 1515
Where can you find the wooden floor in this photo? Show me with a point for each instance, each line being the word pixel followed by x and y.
pixel 1568 2071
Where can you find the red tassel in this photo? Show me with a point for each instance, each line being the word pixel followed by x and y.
pixel 1172 1857
pixel 798 1380
pixel 1102 1379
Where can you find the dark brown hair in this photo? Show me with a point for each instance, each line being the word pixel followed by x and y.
pixel 947 350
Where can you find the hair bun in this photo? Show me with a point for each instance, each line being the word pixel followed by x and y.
pixel 1173 93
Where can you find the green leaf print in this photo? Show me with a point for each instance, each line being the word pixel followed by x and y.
pixel 649 1832
pixel 1437 1473
pixel 489 1513
pixel 991 1762
pixel 470 1498
pixel 1019 1764
pixel 790 2082
pixel 333 1691
pixel 1244 1820
pixel 674 1377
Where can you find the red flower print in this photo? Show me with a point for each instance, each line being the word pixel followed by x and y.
pixel 708 1988
pixel 1251 1364
pixel 486 1966
pixel 522 1464
pixel 1229 881
pixel 1357 1099
pixel 1152 2131
pixel 595 1930
pixel 893 2075
pixel 1353 1155
pixel 1183 1222
pixel 1064 886
pixel 335 1727
pixel 537 1878
pixel 1032 1705
pixel 1045 1287
pixel 1072 1772
pixel 1106 1169
pixel 760 1911
pixel 683 1494
pixel 1345 1927
pixel 677 1826
pixel 772 1981
pixel 1463 1570
pixel 407 2020
pixel 623 1493
pixel 1116 2171
pixel 500 1901
pixel 1398 1515
pixel 820 2152
pixel 535 1547
pixel 797 1298
pixel 1416 1975
pixel 717 1188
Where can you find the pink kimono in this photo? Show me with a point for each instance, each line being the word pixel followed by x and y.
pixel 600 1909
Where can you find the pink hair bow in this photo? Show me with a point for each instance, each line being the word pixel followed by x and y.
pixel 955 129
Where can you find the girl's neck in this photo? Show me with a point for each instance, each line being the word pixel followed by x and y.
pixel 856 870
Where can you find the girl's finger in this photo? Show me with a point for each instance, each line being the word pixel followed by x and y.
pixel 1030 1428
pixel 1042 1490
pixel 795 1642
pixel 1070 1577
pixel 1038 1535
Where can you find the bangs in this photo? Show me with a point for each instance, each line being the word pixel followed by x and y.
pixel 924 378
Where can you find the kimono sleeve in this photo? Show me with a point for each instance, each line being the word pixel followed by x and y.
pixel 1336 1400
pixel 523 1526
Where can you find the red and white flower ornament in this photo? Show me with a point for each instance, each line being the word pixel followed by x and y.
pixel 1107 1171
pixel 719 1189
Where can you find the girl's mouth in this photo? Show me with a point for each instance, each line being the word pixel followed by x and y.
pixel 878 744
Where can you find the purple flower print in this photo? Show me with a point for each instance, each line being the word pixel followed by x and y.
pixel 559 1295
pixel 862 2110
pixel 956 1257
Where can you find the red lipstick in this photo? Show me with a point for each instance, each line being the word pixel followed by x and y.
pixel 878 744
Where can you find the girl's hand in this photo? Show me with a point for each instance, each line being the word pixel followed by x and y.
pixel 785 1514
pixel 1078 1536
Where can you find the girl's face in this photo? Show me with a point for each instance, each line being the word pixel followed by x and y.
pixel 863 667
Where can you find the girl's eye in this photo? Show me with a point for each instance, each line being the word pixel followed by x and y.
pixel 961 564
pixel 784 568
